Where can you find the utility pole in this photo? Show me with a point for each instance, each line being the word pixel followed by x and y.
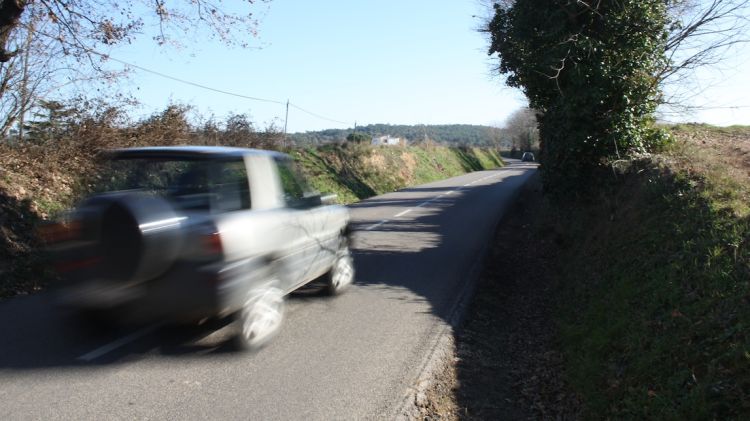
pixel 286 119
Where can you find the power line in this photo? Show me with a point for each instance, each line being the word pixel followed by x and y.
pixel 691 108
pixel 198 85
pixel 727 107
pixel 317 115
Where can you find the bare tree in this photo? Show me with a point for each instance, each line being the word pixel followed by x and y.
pixel 37 69
pixel 47 45
pixel 497 136
pixel 700 32
pixel 83 25
pixel 700 35
pixel 521 128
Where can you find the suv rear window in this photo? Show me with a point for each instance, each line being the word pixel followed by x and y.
pixel 212 185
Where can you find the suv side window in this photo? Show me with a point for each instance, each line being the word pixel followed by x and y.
pixel 230 187
pixel 297 193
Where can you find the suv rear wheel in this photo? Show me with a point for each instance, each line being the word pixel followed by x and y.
pixel 261 317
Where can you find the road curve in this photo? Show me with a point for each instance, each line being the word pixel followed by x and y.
pixel 348 357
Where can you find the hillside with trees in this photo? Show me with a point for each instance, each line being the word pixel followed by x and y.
pixel 452 134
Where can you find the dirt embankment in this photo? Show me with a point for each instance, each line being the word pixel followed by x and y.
pixel 630 306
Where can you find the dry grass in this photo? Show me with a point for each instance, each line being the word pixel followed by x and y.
pixel 719 156
pixel 42 178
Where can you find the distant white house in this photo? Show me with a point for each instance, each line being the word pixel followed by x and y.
pixel 386 140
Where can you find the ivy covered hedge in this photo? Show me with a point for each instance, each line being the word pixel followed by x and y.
pixel 591 71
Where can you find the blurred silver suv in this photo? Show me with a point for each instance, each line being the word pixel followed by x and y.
pixel 188 233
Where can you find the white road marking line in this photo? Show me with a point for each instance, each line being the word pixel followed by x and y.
pixel 118 343
pixel 402 213
pixel 373 226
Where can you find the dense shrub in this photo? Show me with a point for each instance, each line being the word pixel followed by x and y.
pixel 590 70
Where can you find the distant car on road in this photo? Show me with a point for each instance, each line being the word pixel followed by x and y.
pixel 189 233
pixel 527 157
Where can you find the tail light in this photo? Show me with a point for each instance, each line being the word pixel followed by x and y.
pixel 211 244
pixel 60 231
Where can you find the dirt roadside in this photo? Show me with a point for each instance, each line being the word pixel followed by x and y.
pixel 506 363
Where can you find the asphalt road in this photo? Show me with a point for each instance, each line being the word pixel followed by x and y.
pixel 350 357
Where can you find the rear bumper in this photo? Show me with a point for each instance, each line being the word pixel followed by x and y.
pixel 186 292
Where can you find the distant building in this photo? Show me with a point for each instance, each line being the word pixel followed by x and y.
pixel 386 140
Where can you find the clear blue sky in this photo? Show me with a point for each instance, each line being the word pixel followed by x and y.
pixel 387 61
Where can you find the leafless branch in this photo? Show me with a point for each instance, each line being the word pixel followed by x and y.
pixel 699 35
pixel 71 39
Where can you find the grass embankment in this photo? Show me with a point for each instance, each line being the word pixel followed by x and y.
pixel 356 172
pixel 655 304
pixel 36 182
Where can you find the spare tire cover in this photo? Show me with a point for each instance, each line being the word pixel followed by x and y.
pixel 138 234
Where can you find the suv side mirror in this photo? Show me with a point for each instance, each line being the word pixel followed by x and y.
pixel 329 199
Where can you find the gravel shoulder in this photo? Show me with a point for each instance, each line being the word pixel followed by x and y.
pixel 506 362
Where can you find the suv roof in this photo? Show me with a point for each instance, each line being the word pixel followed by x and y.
pixel 195 152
